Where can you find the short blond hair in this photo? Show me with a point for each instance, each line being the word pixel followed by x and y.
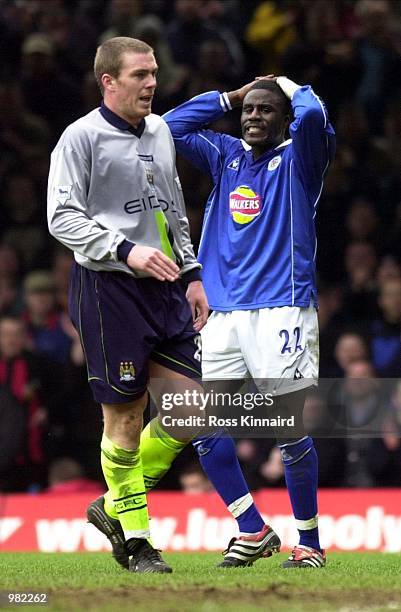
pixel 108 59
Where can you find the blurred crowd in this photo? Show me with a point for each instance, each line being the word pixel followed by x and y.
pixel 350 52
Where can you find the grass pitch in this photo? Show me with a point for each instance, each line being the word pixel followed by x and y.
pixel 351 582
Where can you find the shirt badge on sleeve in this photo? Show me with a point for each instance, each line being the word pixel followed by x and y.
pixel 63 193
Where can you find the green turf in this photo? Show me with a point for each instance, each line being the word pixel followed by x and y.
pixel 351 582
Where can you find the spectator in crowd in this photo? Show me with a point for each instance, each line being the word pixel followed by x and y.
pixel 389 269
pixel 322 52
pixel 61 270
pixel 73 36
pixel 252 454
pixel 360 296
pixel 272 30
pixel 379 56
pixel 44 322
pixel 24 217
pixel 386 331
pixel 23 135
pixel 332 321
pixel 187 31
pixel 392 423
pixel 362 222
pixel 213 69
pixel 363 413
pixel 67 476
pixel 8 295
pixel 272 470
pixel 10 264
pixel 366 161
pixel 121 19
pixel 33 384
pixel 319 421
pixel 350 347
pixel 48 91
pixel 12 436
pixel 193 480
pixel 91 97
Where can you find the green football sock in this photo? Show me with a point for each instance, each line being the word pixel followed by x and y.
pixel 158 451
pixel 122 470
pixel 109 505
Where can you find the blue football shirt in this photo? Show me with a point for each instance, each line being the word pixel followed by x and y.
pixel 258 242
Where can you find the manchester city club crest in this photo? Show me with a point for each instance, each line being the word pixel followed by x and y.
pixel 127 371
pixel 150 177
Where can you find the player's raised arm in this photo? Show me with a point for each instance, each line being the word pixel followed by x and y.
pixel 203 147
pixel 312 134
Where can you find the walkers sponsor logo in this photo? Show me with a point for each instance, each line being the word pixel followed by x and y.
pixel 127 371
pixel 245 205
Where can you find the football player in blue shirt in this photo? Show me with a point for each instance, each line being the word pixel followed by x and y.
pixel 258 250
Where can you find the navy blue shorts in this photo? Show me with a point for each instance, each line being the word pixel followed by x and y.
pixel 124 323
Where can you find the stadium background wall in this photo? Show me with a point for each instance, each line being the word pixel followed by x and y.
pixel 350 520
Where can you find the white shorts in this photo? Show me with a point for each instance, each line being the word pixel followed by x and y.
pixel 277 346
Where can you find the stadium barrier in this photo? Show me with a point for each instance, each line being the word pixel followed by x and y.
pixel 350 520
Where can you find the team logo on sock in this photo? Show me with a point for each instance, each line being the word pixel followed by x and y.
pixel 285 456
pixel 127 371
pixel 202 450
pixel 245 204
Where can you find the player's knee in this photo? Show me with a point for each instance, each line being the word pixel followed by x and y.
pixel 293 451
pixel 123 422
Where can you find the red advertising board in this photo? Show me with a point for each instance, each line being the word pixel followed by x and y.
pixel 349 520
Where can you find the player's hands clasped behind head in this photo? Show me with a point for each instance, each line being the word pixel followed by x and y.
pixel 153 262
pixel 237 97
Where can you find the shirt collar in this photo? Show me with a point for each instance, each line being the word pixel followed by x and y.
pixel 284 144
pixel 120 123
pixel 248 149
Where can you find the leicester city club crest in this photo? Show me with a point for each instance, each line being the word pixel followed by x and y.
pixel 127 371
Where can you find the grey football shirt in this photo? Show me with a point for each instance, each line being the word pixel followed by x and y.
pixel 107 184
